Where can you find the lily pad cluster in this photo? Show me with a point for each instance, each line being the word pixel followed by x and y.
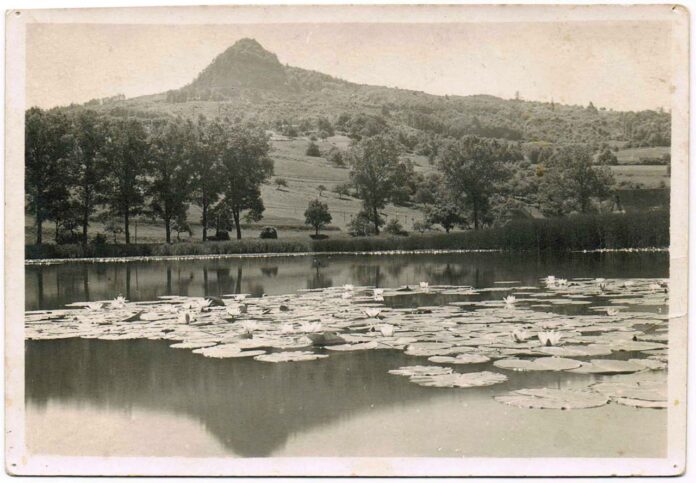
pixel 503 329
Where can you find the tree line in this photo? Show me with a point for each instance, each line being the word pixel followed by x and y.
pixel 81 165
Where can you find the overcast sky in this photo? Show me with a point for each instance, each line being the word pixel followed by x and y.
pixel 622 65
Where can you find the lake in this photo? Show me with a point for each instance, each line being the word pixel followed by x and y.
pixel 89 396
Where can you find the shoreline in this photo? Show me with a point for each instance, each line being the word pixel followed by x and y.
pixel 233 256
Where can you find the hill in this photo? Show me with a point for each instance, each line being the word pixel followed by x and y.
pixel 248 81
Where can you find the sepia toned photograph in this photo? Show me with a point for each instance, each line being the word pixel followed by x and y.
pixel 347 241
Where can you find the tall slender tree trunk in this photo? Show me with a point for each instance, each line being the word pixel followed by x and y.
pixel 476 220
pixel 126 220
pixel 168 229
pixel 235 214
pixel 205 221
pixel 376 218
pixel 85 223
pixel 39 227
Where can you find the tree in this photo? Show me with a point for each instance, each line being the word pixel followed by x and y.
pixel 205 167
pixel 88 165
pixel 245 166
pixel 374 168
pixel 321 188
pixel 607 158
pixel 472 169
pixel 313 150
pixel 171 146
pixel 444 213
pixel 317 215
pixel 48 146
pixel 280 183
pixel 570 182
pixel 126 152
pixel 342 189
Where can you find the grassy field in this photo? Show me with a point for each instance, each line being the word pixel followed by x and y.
pixel 648 176
pixel 634 155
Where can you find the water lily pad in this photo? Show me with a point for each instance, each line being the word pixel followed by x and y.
pixel 553 399
pixel 643 390
pixel 608 366
pixel 460 359
pixel 421 371
pixel 290 356
pixel 469 379
pixel 640 403
pixel 354 347
pixel 540 364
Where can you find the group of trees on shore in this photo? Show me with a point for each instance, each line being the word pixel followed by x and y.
pixel 82 166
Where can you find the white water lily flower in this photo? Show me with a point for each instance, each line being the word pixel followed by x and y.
pixel 387 330
pixel 372 311
pixel 378 291
pixel 348 287
pixel 379 298
pixel 239 297
pixel 119 302
pixel 612 312
pixel 510 300
pixel 95 306
pixel 655 287
pixel 519 335
pixel 549 337
pixel 550 280
pixel 424 285
pixel 250 326
pixel 561 282
pixel 236 310
pixel 186 317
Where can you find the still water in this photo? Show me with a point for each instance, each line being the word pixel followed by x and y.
pixel 140 397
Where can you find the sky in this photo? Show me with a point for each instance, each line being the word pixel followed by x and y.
pixel 620 65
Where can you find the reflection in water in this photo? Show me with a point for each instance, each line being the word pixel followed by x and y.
pixel 50 287
pixel 259 409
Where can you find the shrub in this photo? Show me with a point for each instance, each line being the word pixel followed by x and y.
pixel 313 150
pixel 393 227
pixel 268 232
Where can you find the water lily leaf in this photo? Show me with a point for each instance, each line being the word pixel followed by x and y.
pixel 553 399
pixel 421 371
pixel 643 390
pixel 354 347
pixel 469 379
pixel 460 359
pixel 640 403
pixel 540 364
pixel 192 345
pixel 652 364
pixel 290 356
pixel 219 351
pixel 608 366
pixel 577 350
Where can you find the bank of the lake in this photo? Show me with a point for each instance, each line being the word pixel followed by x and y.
pixel 580 232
